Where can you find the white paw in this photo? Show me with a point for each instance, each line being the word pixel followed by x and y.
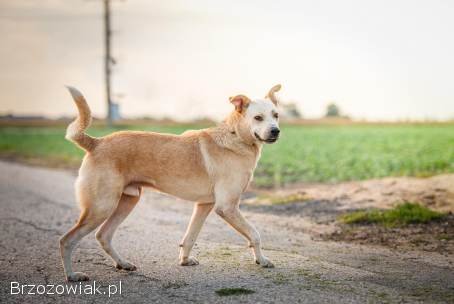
pixel 189 261
pixel 126 266
pixel 264 262
pixel 77 277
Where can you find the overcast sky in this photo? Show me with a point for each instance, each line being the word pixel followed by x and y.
pixel 377 59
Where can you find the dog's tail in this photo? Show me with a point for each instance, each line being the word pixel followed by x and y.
pixel 75 130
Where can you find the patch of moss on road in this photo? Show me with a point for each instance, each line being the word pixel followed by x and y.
pixel 224 292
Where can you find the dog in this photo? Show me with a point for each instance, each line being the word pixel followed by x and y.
pixel 211 167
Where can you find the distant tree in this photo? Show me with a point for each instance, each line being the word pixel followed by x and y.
pixel 332 110
pixel 291 111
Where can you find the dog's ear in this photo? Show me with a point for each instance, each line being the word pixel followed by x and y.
pixel 240 102
pixel 271 95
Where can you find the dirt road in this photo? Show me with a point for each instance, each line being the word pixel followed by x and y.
pixel 38 206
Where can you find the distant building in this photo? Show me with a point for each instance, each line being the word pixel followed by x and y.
pixel 115 111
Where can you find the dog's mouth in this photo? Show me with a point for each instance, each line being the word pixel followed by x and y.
pixel 269 140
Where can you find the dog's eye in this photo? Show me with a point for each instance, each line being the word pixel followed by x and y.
pixel 258 118
pixel 276 115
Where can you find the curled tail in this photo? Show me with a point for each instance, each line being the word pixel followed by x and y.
pixel 75 130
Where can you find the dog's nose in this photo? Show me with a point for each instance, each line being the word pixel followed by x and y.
pixel 275 132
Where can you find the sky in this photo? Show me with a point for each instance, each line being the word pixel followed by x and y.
pixel 378 60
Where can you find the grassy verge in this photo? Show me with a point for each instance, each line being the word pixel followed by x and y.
pixel 408 226
pixel 401 215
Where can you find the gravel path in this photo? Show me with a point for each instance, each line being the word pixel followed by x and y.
pixel 38 206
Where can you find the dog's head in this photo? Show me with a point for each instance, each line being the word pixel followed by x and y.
pixel 259 118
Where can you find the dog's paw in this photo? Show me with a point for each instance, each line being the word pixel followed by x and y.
pixel 265 262
pixel 189 261
pixel 77 277
pixel 126 266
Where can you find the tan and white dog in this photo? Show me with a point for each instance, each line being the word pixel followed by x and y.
pixel 211 167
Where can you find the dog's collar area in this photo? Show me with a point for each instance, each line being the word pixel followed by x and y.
pixel 234 133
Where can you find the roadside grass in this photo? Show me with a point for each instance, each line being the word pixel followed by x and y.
pixel 321 153
pixel 223 292
pixel 400 215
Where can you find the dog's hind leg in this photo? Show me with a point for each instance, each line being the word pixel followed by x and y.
pixel 87 223
pixel 107 230
pixel 199 215
pixel 96 208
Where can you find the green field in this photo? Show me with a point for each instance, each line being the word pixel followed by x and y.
pixel 304 153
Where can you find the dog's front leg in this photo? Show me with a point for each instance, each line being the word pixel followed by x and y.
pixel 227 207
pixel 199 215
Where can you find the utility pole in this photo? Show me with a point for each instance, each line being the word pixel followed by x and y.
pixel 107 59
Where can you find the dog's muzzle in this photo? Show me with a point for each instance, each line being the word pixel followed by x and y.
pixel 273 137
